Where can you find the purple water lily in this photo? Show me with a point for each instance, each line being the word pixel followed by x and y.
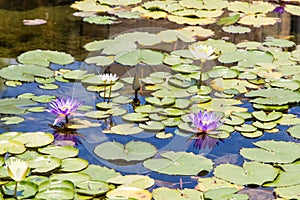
pixel 63 108
pixel 279 9
pixel 205 122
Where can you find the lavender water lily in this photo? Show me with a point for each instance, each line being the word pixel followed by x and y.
pixel 63 108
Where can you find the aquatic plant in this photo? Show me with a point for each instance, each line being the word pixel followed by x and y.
pixel 111 78
pixel 17 170
pixel 202 53
pixel 205 122
pixel 63 108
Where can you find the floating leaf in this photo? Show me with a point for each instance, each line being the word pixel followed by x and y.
pixel 262 116
pixel 35 139
pixel 99 173
pixel 99 60
pixel 133 181
pixel 152 125
pixel 56 193
pixel 179 163
pixel 126 129
pixel 135 117
pixel 291 192
pixel 25 73
pixel 236 29
pixel 132 151
pixel 272 151
pixel 74 74
pixel 73 164
pixel 224 194
pixel 103 20
pixel 44 57
pixel 135 57
pixel 90 6
pixel 229 20
pixel 247 174
pixel 163 135
pixel 61 152
pixel 92 188
pixel 129 193
pixel 43 164
pixel 176 194
pixel 25 189
pixel 12 120
pixel 206 184
pixel 274 96
pixel 11 146
pixel 245 128
pixel 160 102
pixel 294 131
pixel 76 177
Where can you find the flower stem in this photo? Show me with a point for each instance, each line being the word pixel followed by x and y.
pixel 104 90
pixel 67 119
pixel 16 189
pixel 109 94
pixel 200 77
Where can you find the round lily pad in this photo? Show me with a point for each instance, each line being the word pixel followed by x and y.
pixel 179 163
pixel 135 117
pixel 35 139
pixel 56 193
pixel 294 131
pixel 92 188
pixel 152 125
pixel 25 189
pixel 43 164
pixel 11 146
pixel 139 181
pixel 126 129
pixel 61 152
pixel 132 151
pixel 129 192
pixel 99 173
pixel 264 117
pixel 76 177
pixel 73 164
pixel 176 194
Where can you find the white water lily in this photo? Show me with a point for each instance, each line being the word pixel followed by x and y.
pixel 202 52
pixel 17 168
pixel 109 77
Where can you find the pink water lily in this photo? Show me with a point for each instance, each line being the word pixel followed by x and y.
pixel 63 108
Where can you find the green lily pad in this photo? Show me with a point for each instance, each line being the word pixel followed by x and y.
pixel 99 173
pixel 172 112
pixel 135 117
pixel 176 194
pixel 11 146
pixel 234 120
pixel 56 193
pixel 103 20
pixel 73 164
pixel 99 60
pixel 36 109
pixel 98 114
pixel 274 96
pixel 44 57
pixel 163 135
pixel 254 134
pixel 160 102
pixel 264 117
pixel 127 192
pixel 135 57
pixel 13 83
pixel 132 151
pixel 25 189
pixel 25 73
pixel 291 192
pixel 61 152
pixel 286 84
pixel 92 188
pixel 147 109
pixel 139 181
pixel 152 125
pixel 206 184
pixel 236 29
pixel 179 163
pixel 265 125
pixel 250 173
pixel 224 72
pixel 43 164
pixel 74 74
pixel 126 129
pixel 35 139
pixel 224 194
pixel 294 131
pixel 49 86
pixel 55 183
pixel 12 120
pixel 76 177
pixel 245 128
pixel 272 151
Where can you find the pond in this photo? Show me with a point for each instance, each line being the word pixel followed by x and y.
pixel 165 99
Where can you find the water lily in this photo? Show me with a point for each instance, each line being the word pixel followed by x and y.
pixel 205 122
pixel 108 77
pixel 17 168
pixel 203 53
pixel 63 108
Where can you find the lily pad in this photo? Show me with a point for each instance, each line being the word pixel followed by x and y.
pixel 129 193
pixel 44 57
pixel 176 194
pixel 272 151
pixel 43 164
pixel 75 177
pixel 294 131
pixel 26 73
pixel 61 152
pixel 92 188
pixel 135 117
pixel 250 173
pixel 35 139
pixel 135 57
pixel 264 117
pixel 179 163
pixel 99 173
pixel 73 164
pixel 100 20
pixel 126 129
pixel 139 181
pixel 224 194
pixel 11 120
pixel 152 125
pixel 25 189
pixel 132 151
pixel 11 146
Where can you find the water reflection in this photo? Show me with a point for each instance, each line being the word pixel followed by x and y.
pixel 203 142
pixel 64 136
